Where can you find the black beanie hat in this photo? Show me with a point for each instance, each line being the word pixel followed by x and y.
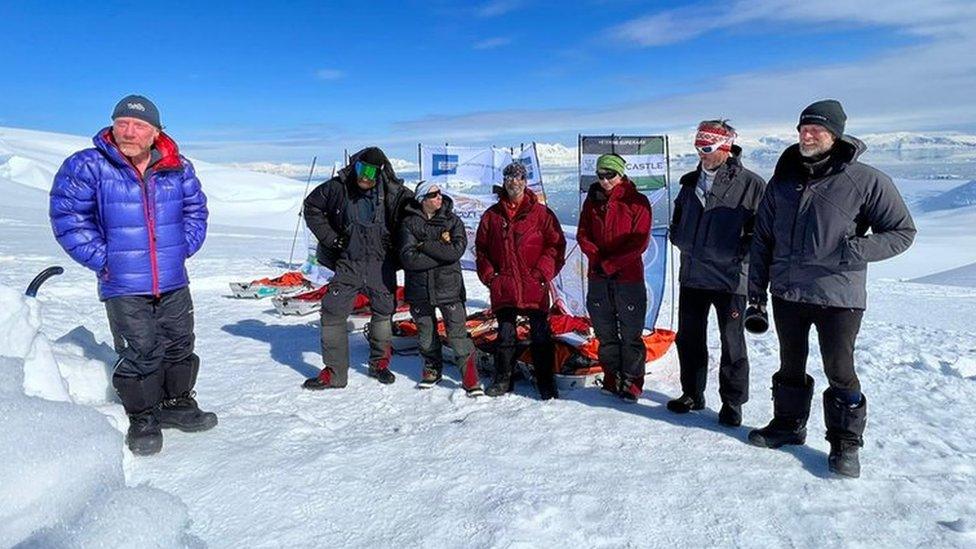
pixel 827 113
pixel 137 106
pixel 374 156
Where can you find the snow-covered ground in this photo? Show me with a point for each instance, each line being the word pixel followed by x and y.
pixel 392 466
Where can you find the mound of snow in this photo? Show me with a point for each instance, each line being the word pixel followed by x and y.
pixel 960 276
pixel 20 322
pixel 62 482
pixel 958 197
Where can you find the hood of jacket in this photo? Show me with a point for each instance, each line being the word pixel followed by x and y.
pixel 845 152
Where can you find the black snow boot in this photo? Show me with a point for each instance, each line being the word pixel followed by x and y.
pixel 326 379
pixel 183 413
pixel 544 368
pixel 382 374
pixel 730 415
pixel 791 409
pixel 140 397
pixel 499 386
pixel 685 404
pixel 845 427
pixel 502 381
pixel 430 375
pixel 179 409
pixel 548 390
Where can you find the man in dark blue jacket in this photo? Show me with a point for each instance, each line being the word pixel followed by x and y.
pixel 131 210
pixel 824 217
pixel 712 226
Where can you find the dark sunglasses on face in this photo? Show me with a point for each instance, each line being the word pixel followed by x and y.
pixel 513 178
pixel 431 195
pixel 606 175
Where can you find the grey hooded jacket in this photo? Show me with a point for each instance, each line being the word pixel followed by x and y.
pixel 811 242
pixel 714 238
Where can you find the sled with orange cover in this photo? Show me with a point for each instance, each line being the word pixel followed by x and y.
pixel 288 283
pixel 311 302
pixel 577 362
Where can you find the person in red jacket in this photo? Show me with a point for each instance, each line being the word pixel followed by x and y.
pixel 614 230
pixel 519 249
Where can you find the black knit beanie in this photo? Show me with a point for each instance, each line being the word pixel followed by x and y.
pixel 138 107
pixel 827 113
pixel 374 156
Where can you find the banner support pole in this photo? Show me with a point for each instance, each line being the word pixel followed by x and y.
pixel 667 156
pixel 301 210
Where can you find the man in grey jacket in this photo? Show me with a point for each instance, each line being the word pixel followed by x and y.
pixel 712 225
pixel 811 247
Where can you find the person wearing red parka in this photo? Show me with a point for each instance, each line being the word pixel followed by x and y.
pixel 613 232
pixel 520 248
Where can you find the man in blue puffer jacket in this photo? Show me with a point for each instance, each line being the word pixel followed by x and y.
pixel 131 209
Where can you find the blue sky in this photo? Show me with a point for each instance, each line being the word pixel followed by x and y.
pixel 244 81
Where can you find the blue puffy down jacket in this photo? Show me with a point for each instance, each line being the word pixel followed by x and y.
pixel 134 232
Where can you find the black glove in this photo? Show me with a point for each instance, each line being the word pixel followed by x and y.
pixel 341 242
pixel 757 319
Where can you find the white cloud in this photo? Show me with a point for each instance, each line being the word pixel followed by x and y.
pixel 936 18
pixel 497 7
pixel 329 74
pixel 924 86
pixel 492 43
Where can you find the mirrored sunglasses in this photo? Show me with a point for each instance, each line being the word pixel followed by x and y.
pixel 365 170
pixel 709 149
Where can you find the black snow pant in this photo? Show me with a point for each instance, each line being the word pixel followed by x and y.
pixel 837 330
pixel 454 316
pixel 154 339
pixel 377 279
pixel 617 311
pixel 691 341
pixel 845 407
pixel 542 349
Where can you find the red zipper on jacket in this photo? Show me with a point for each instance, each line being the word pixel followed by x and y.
pixel 151 220
pixel 151 223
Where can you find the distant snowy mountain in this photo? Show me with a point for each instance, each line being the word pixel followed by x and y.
pixel 236 197
pixel 764 149
pixel 322 170
pixel 958 197
pixel 557 155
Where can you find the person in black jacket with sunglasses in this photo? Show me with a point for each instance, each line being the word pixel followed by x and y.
pixel 432 241
pixel 712 227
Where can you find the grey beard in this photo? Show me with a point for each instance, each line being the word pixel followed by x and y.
pixel 816 151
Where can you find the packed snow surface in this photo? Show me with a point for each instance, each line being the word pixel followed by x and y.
pixel 392 466
pixel 62 482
